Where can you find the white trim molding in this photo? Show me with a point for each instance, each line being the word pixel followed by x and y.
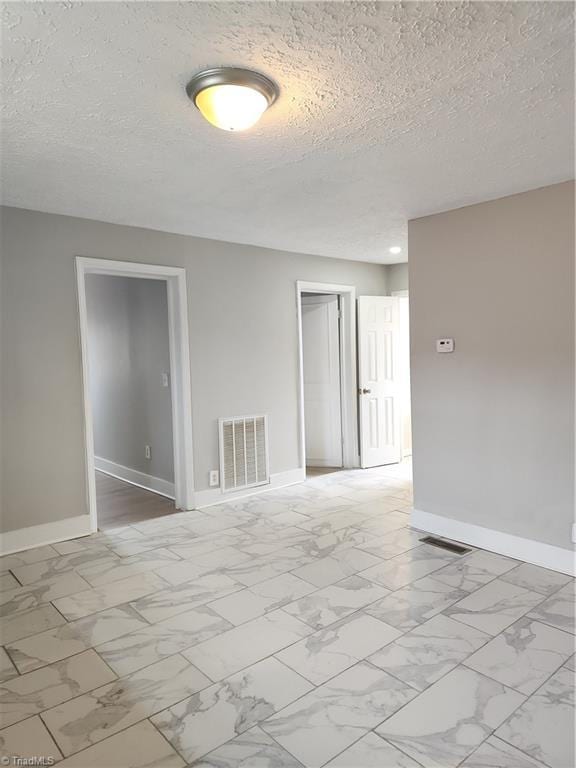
pixel 528 550
pixel 134 477
pixel 47 533
pixel 175 278
pixel 214 496
pixel 347 293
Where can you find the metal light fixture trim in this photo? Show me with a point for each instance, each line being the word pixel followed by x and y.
pixel 231 76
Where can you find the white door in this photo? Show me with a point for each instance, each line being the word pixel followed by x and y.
pixel 378 380
pixel 321 358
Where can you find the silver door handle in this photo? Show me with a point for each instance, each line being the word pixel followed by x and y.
pixel 364 391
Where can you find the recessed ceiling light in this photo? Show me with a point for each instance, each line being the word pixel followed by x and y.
pixel 395 249
pixel 230 98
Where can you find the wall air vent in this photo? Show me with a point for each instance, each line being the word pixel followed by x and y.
pixel 243 452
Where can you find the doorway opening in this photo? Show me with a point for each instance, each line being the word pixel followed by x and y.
pixel 327 349
pixel 136 379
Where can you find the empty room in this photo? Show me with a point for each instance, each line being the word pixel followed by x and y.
pixel 287 384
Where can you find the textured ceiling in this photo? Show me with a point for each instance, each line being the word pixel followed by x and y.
pixel 388 111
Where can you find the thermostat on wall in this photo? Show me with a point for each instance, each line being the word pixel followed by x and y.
pixel 444 345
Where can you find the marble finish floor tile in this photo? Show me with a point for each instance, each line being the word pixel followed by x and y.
pixel 37 573
pixel 7 581
pixel 558 609
pixel 92 717
pixel 320 725
pixel 140 746
pixel 30 622
pixel 252 571
pixel 524 655
pixel 408 567
pixel 151 643
pixel 537 579
pixel 407 607
pixel 243 646
pixel 371 751
pixel 250 749
pixel 495 606
pixel 543 726
pixel 313 613
pixel 28 556
pixel 446 722
pixel 330 651
pixel 261 598
pixel 495 753
pixel 108 596
pixel 7 668
pixel 473 571
pixel 393 543
pixel 27 739
pixel 329 570
pixel 169 602
pixel 30 694
pixel 335 602
pixel 428 652
pixel 36 651
pixel 217 714
pixel 100 573
pixel 188 570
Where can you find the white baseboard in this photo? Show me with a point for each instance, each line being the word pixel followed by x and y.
pixel 212 496
pixel 132 476
pixel 535 552
pixel 48 533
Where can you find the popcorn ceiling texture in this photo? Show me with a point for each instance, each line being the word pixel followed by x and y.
pixel 388 111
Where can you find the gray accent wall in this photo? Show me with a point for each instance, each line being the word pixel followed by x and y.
pixel 243 347
pixel 128 351
pixel 493 423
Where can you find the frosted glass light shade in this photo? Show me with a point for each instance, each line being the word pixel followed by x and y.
pixel 231 107
pixel 231 98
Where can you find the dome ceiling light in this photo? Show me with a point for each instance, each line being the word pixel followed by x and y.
pixel 230 98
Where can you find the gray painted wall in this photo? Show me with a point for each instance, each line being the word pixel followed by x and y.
pixel 493 423
pixel 243 346
pixel 397 277
pixel 128 345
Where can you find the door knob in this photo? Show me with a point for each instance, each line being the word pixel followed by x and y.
pixel 364 391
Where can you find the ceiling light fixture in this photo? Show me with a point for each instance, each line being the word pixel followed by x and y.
pixel 395 249
pixel 230 98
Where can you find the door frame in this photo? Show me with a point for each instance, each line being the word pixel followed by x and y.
pixel 175 278
pixel 348 380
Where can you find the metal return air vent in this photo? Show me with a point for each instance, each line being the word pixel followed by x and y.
pixel 243 452
pixel 459 550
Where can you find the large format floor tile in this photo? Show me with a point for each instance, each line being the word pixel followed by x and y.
pixel 250 749
pixel 428 652
pixel 243 646
pixel 140 746
pixel 330 651
pixel 371 751
pixel 543 726
pixel 495 606
pixel 332 603
pixel 92 717
pixel 323 723
pixel 201 723
pixel 308 627
pixel 30 694
pixel 524 655
pixel 446 722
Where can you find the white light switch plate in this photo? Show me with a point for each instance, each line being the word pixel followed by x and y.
pixel 444 345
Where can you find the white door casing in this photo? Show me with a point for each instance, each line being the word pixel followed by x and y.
pixel 378 380
pixel 322 389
